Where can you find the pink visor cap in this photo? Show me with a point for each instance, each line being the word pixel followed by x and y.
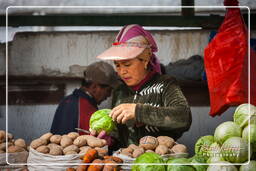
pixel 131 41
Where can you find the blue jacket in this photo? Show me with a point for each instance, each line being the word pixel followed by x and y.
pixel 66 117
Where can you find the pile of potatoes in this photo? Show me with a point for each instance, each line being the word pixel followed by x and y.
pixel 161 145
pixel 14 146
pixel 67 144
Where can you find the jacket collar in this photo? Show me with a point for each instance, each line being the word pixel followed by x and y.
pixel 80 93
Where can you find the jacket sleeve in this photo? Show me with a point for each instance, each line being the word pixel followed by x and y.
pixel 174 114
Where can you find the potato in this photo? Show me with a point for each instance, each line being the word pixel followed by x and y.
pixel 2 135
pixel 3 146
pixel 148 142
pixel 137 152
pixel 10 136
pixel 73 135
pixel 133 146
pixel 84 149
pixel 101 151
pixel 2 151
pixel 14 149
pixel 56 150
pixel 43 149
pixel 95 142
pixel 179 148
pixel 66 141
pixel 161 149
pixel 71 152
pixel 129 150
pixel 165 140
pixel 80 141
pixel 37 142
pixel 151 151
pixel 20 142
pixel 71 148
pixel 47 136
pixel 55 139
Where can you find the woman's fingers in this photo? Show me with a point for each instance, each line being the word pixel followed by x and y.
pixel 116 113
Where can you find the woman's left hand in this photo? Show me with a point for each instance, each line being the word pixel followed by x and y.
pixel 123 112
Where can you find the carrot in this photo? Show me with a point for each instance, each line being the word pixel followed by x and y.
pixel 110 167
pixel 81 168
pixel 96 166
pixel 90 156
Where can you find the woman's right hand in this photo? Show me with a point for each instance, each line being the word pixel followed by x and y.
pixel 103 135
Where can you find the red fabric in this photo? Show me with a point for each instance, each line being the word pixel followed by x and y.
pixel 226 64
pixel 85 112
pixel 148 77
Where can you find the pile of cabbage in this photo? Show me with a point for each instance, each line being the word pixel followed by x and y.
pixel 231 143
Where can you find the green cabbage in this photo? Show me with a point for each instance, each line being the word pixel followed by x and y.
pixel 252 135
pixel 100 120
pixel 149 157
pixel 242 115
pixel 179 167
pixel 202 145
pixel 235 150
pixel 215 159
pixel 249 167
pixel 220 167
pixel 214 153
pixel 226 130
pixel 197 159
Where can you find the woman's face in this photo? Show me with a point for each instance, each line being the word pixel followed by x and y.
pixel 131 71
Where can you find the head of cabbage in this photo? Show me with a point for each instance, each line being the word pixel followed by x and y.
pixel 243 113
pixel 226 130
pixel 181 165
pixel 236 150
pixel 100 120
pixel 248 167
pixel 218 167
pixel 203 144
pixel 148 161
pixel 245 135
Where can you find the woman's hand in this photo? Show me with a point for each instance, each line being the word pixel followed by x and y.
pixel 123 112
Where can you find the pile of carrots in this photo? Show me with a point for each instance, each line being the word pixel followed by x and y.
pixel 97 163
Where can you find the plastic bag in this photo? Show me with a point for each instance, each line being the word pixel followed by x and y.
pixel 39 161
pixel 226 64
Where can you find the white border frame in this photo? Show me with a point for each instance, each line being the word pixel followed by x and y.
pixel 161 7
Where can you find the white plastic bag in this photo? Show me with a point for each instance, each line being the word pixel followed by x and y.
pixel 39 161
pixel 13 158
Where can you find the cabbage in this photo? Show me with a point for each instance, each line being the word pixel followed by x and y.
pixel 249 167
pixel 202 145
pixel 235 150
pixel 214 153
pixel 214 150
pixel 148 157
pixel 215 159
pixel 226 130
pixel 242 115
pixel 100 120
pixel 252 135
pixel 197 159
pixel 220 167
pixel 179 167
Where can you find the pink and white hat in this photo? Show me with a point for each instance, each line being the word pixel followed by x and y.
pixel 131 41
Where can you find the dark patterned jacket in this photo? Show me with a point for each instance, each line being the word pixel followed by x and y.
pixel 161 109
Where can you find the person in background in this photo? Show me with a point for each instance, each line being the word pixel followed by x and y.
pixel 75 110
pixel 147 102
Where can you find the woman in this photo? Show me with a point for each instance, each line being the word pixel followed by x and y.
pixel 147 103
